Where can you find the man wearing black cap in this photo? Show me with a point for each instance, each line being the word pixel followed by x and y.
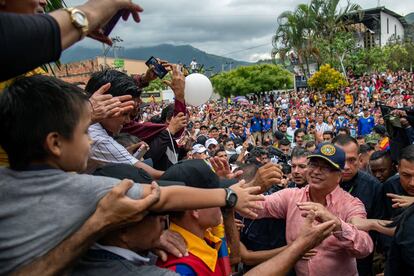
pixel 338 253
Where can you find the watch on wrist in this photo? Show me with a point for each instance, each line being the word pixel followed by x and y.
pixel 79 20
pixel 231 198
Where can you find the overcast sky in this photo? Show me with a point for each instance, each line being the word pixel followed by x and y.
pixel 239 29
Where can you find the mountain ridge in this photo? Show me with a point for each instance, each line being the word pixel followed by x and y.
pixel 173 53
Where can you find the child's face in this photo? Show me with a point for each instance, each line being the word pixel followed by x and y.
pixel 75 152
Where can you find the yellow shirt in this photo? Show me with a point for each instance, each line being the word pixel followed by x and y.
pixel 199 247
pixel 348 99
pixel 4 160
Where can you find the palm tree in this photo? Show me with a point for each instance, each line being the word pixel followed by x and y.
pixel 294 36
pixel 298 29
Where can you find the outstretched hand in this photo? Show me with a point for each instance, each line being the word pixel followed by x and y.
pixel 247 202
pixel 400 200
pixel 222 168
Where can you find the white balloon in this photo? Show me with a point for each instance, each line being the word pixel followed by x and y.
pixel 198 89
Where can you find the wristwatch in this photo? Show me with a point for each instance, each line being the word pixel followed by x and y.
pixel 231 198
pixel 79 20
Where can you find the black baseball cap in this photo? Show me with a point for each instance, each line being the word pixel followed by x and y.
pixel 331 153
pixel 196 173
pixel 126 171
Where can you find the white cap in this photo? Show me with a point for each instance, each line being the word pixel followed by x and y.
pixel 211 141
pixel 198 148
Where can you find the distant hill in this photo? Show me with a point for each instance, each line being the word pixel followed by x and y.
pixel 409 18
pixel 174 54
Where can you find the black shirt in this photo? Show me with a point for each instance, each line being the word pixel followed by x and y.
pixel 367 189
pixel 27 42
pixel 401 258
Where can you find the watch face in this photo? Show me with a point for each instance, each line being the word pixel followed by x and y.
pixel 79 19
pixel 232 199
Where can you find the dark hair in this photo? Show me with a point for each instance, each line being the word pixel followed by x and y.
pixel 229 140
pixel 380 154
pixel 407 154
pixel 310 144
pixel 45 104
pixel 284 142
pixel 328 132
pixel 249 171
pixel 121 83
pixel 167 113
pixel 221 148
pixel 298 152
pixel 365 148
pixel 343 140
pixel 344 129
pixel 299 130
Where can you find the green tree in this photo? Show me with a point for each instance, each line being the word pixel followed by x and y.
pixel 321 21
pixel 327 79
pixel 252 79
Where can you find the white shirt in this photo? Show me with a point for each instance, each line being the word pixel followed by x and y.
pixel 105 150
pixel 322 127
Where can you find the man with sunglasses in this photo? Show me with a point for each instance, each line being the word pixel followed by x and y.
pixel 323 196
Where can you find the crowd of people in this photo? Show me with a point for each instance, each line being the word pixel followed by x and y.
pixel 96 182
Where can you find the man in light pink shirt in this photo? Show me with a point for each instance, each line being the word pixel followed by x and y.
pixel 337 254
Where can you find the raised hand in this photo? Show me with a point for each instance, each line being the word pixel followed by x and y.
pixel 222 168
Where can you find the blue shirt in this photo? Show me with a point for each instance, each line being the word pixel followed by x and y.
pixel 365 125
pixel 267 124
pixel 339 124
pixel 256 125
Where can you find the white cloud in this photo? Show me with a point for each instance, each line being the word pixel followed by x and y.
pixel 221 27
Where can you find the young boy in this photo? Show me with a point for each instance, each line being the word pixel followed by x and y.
pixel 202 229
pixel 44 124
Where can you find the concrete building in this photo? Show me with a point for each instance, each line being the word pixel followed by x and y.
pixel 377 27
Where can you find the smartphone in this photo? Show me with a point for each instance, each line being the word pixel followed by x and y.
pixel 107 29
pixel 159 70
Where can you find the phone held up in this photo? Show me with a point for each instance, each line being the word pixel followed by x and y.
pixel 159 70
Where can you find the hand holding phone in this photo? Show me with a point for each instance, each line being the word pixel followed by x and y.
pixel 158 68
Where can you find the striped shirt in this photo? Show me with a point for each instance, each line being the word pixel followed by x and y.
pixel 105 150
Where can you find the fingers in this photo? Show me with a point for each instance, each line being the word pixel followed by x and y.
pixel 103 89
pixel 123 187
pixel 161 254
pixel 326 227
pixel 124 98
pixel 152 198
pixel 393 195
pixel 175 244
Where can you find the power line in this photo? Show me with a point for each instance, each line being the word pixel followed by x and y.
pixel 242 50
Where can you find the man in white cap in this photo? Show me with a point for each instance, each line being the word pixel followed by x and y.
pixel 199 152
pixel 211 145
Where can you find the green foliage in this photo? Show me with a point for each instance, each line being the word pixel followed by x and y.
pixel 320 21
pixel 252 79
pixel 55 5
pixel 378 59
pixel 158 84
pixel 327 79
